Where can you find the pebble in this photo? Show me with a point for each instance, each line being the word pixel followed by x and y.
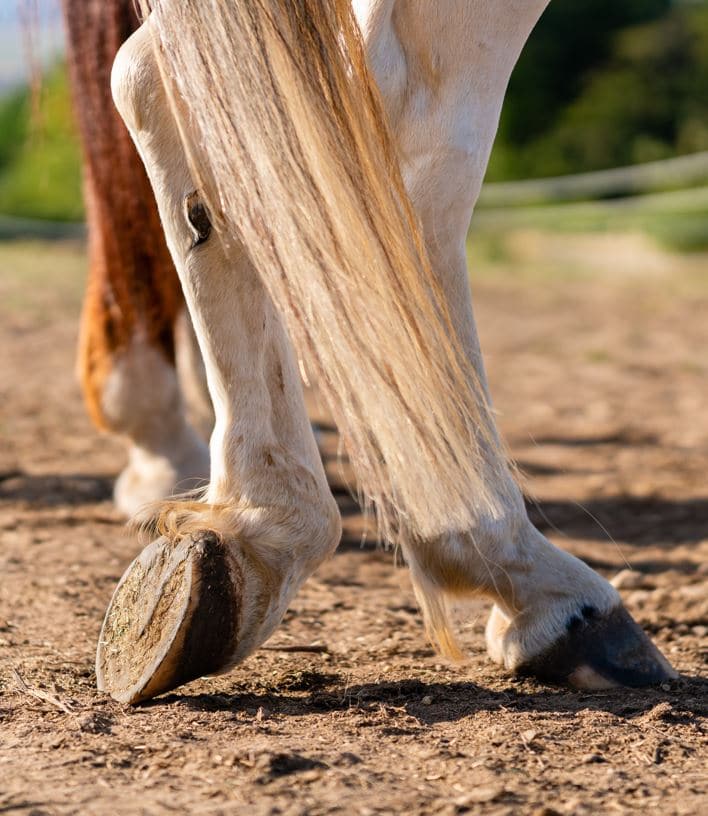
pixel 486 793
pixel 628 579
pixel 427 700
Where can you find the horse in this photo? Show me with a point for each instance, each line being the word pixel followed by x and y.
pixel 315 165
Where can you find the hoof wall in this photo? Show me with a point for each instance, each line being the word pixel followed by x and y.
pixel 601 651
pixel 173 618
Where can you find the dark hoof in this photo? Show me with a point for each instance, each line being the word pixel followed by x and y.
pixel 173 618
pixel 601 651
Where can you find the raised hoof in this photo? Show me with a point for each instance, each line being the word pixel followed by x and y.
pixel 173 617
pixel 599 652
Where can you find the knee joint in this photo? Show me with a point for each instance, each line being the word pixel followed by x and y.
pixel 135 78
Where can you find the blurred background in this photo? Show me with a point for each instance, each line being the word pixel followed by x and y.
pixel 602 84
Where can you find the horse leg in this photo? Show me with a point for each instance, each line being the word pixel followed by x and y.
pixel 219 581
pixel 553 616
pixel 192 376
pixel 133 298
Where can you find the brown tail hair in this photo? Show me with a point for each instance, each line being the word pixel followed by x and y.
pixel 288 142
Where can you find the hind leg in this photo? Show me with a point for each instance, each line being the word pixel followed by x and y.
pixel 217 583
pixel 127 345
pixel 553 616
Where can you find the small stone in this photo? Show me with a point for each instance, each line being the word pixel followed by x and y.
pixel 592 759
pixel 638 597
pixel 427 700
pixel 95 723
pixel 487 793
pixel 628 579
pixel 347 759
pixel 700 631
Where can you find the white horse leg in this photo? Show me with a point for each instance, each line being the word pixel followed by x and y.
pixel 142 401
pixel 218 583
pixel 192 376
pixel 443 70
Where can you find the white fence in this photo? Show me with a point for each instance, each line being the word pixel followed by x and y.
pixel 676 173
pixel 678 185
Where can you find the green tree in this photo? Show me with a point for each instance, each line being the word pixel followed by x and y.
pixel 603 83
pixel 40 173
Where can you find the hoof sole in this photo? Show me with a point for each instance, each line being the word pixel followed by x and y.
pixel 172 618
pixel 601 651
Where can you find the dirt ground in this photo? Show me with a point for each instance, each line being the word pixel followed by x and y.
pixel 597 351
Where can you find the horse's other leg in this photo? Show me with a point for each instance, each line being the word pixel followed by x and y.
pixel 219 581
pixel 553 616
pixel 127 345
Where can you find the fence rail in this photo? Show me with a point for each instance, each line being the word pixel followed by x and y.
pixel 693 201
pixel 670 186
pixel 639 179
pixel 18 228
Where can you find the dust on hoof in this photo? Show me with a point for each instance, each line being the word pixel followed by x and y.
pixel 601 651
pixel 172 618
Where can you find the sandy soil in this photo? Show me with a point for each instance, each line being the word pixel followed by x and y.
pixel 601 381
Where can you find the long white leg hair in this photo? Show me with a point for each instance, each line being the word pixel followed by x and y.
pixel 287 140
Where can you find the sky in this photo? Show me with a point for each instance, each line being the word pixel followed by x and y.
pixel 13 59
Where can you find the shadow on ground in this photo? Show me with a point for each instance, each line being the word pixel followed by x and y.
pixel 433 702
pixel 636 521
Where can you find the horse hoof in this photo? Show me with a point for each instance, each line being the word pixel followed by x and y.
pixel 599 651
pixel 172 618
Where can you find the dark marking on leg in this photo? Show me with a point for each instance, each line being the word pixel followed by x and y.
pixel 197 218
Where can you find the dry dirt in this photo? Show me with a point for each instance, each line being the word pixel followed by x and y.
pixel 601 381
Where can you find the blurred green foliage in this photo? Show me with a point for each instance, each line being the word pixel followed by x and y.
pixel 601 83
pixel 677 220
pixel 606 83
pixel 39 155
